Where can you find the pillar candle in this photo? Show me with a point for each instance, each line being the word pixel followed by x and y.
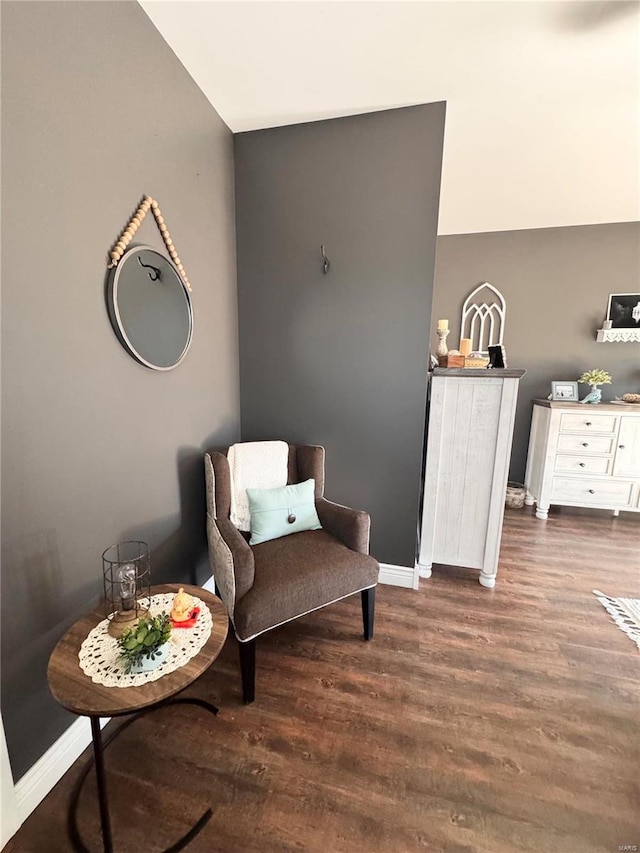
pixel 443 324
pixel 465 346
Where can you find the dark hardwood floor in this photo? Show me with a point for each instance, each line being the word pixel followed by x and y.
pixel 476 721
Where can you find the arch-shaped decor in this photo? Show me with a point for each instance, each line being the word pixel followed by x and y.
pixel 483 317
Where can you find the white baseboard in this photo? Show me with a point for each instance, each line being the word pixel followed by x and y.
pixel 397 576
pixel 51 767
pixel 210 585
pixel 9 823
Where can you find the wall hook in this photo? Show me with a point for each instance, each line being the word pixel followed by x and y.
pixel 326 263
pixel 150 267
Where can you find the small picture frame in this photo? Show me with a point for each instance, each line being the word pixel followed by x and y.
pixel 623 310
pixel 497 356
pixel 566 392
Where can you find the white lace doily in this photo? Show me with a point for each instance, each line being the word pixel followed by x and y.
pixel 100 656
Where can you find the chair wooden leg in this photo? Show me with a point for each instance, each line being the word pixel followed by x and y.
pixel 248 670
pixel 368 611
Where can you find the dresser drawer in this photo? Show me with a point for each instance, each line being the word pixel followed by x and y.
pixel 583 464
pixel 588 423
pixel 597 492
pixel 585 444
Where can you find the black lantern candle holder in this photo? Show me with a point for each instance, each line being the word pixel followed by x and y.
pixel 126 570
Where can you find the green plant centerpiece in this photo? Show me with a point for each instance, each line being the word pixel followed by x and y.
pixel 594 378
pixel 141 647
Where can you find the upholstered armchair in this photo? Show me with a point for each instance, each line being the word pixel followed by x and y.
pixel 266 585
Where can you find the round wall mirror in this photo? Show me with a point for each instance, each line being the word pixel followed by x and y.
pixel 150 308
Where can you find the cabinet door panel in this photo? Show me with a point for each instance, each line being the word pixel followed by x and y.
pixel 627 461
pixel 471 411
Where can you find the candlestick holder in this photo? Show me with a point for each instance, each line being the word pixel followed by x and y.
pixel 442 349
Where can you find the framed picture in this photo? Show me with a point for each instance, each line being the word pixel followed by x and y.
pixel 624 310
pixel 497 356
pixel 565 391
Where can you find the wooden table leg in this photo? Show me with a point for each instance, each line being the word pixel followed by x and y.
pixel 99 746
pixel 98 753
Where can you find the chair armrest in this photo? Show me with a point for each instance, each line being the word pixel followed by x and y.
pixel 231 561
pixel 230 556
pixel 350 526
pixel 243 565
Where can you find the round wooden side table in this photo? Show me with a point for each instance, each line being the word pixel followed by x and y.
pixel 76 692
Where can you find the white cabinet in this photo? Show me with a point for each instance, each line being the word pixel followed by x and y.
pixel 469 436
pixel 583 455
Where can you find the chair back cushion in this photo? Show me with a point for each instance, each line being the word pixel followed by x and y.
pixel 282 511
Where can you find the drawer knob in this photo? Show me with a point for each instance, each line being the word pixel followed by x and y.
pixel 621 446
pixel 581 464
pixel 592 491
pixel 588 423
pixel 585 444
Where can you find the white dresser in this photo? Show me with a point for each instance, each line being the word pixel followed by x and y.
pixel 470 429
pixel 584 455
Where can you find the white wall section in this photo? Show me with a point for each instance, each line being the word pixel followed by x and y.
pixel 543 98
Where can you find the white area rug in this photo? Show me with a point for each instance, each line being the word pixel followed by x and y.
pixel 625 612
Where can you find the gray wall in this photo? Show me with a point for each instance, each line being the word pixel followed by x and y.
pixel 556 282
pixel 96 111
pixel 340 359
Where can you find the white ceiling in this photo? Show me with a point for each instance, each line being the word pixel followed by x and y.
pixel 543 98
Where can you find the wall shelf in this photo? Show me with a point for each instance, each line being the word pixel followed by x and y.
pixel 617 336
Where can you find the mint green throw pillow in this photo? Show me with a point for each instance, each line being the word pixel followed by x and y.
pixel 279 512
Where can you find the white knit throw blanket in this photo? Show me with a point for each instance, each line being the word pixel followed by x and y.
pixel 255 465
pixel 625 612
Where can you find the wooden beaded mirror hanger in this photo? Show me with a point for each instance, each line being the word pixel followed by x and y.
pixel 127 235
pixel 149 295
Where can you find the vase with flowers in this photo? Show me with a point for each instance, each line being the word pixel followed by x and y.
pixel 594 378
